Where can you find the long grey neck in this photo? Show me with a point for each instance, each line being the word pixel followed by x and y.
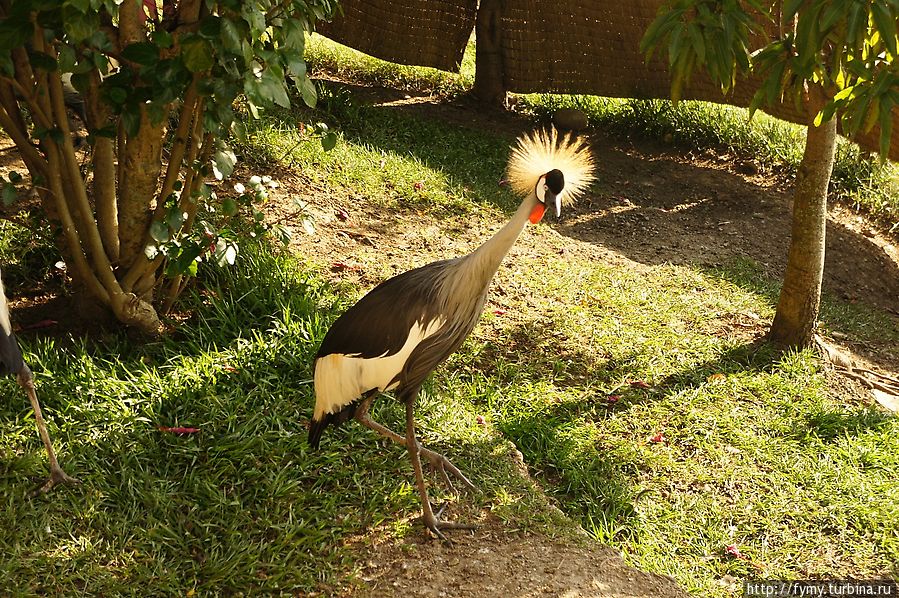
pixel 485 260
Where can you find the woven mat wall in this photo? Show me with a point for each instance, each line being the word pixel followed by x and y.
pixel 562 46
pixel 416 32
pixel 593 48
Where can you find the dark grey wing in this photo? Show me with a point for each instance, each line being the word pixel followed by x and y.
pixel 380 322
pixel 11 361
pixel 434 350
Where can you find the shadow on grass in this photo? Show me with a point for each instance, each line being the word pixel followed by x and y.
pixel 829 425
pixel 658 207
pixel 598 477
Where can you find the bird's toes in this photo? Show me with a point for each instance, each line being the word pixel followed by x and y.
pixel 446 467
pixel 437 525
pixel 57 476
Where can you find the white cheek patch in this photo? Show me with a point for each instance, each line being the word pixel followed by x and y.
pixel 340 379
pixel 540 190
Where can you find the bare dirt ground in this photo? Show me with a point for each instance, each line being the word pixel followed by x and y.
pixel 496 562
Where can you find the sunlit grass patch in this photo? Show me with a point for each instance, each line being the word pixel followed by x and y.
pixel 392 158
pixel 322 53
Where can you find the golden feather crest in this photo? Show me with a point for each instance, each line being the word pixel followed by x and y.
pixel 540 151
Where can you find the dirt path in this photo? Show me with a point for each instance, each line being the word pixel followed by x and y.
pixel 496 562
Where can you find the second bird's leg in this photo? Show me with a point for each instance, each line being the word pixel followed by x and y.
pixel 427 516
pixel 438 461
pixel 57 475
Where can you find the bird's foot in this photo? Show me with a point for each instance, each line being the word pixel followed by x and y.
pixel 436 525
pixel 445 467
pixel 57 476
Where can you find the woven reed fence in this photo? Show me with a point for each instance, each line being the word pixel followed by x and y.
pixel 555 46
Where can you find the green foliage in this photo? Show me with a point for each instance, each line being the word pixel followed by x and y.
pixel 144 74
pixel 705 34
pixel 846 49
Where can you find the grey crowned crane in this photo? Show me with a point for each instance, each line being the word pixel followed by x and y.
pixel 11 362
pixel 395 336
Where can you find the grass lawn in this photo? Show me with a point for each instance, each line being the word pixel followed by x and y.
pixel 641 410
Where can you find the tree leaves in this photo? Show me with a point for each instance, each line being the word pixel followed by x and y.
pixel 307 91
pixel 705 34
pixel 196 53
pixel 269 88
pixel 849 49
pixel 144 53
pixel 329 141
pixel 223 162
pixel 254 47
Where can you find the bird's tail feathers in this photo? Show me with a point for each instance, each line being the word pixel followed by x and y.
pixel 317 425
pixel 543 150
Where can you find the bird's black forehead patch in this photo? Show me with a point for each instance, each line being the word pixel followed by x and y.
pixel 555 180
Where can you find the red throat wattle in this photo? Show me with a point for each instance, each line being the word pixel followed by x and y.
pixel 537 213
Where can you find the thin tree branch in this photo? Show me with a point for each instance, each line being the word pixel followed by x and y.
pixel 36 111
pixel 192 205
pixel 104 185
pixel 23 144
pixel 98 255
pixel 41 97
pixel 190 109
pixel 70 232
pixel 11 104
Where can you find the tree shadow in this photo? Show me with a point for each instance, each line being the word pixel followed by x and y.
pixel 657 207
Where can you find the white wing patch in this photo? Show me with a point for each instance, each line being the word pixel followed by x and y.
pixel 341 379
pixel 4 312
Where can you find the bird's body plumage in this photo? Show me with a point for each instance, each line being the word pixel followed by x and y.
pixel 399 332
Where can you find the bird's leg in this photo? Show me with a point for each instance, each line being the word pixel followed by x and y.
pixel 427 516
pixel 57 475
pixel 438 461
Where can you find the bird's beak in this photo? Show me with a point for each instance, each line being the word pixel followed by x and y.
pixel 552 199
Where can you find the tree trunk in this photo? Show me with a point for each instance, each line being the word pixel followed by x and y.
pixel 489 80
pixel 800 297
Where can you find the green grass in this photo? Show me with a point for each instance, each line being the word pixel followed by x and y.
pixel 758 452
pixel 740 421
pixel 390 158
pixel 242 506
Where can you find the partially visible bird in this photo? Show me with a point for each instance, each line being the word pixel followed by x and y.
pixel 11 362
pixel 405 327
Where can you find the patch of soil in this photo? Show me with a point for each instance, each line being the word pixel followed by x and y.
pixel 493 561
